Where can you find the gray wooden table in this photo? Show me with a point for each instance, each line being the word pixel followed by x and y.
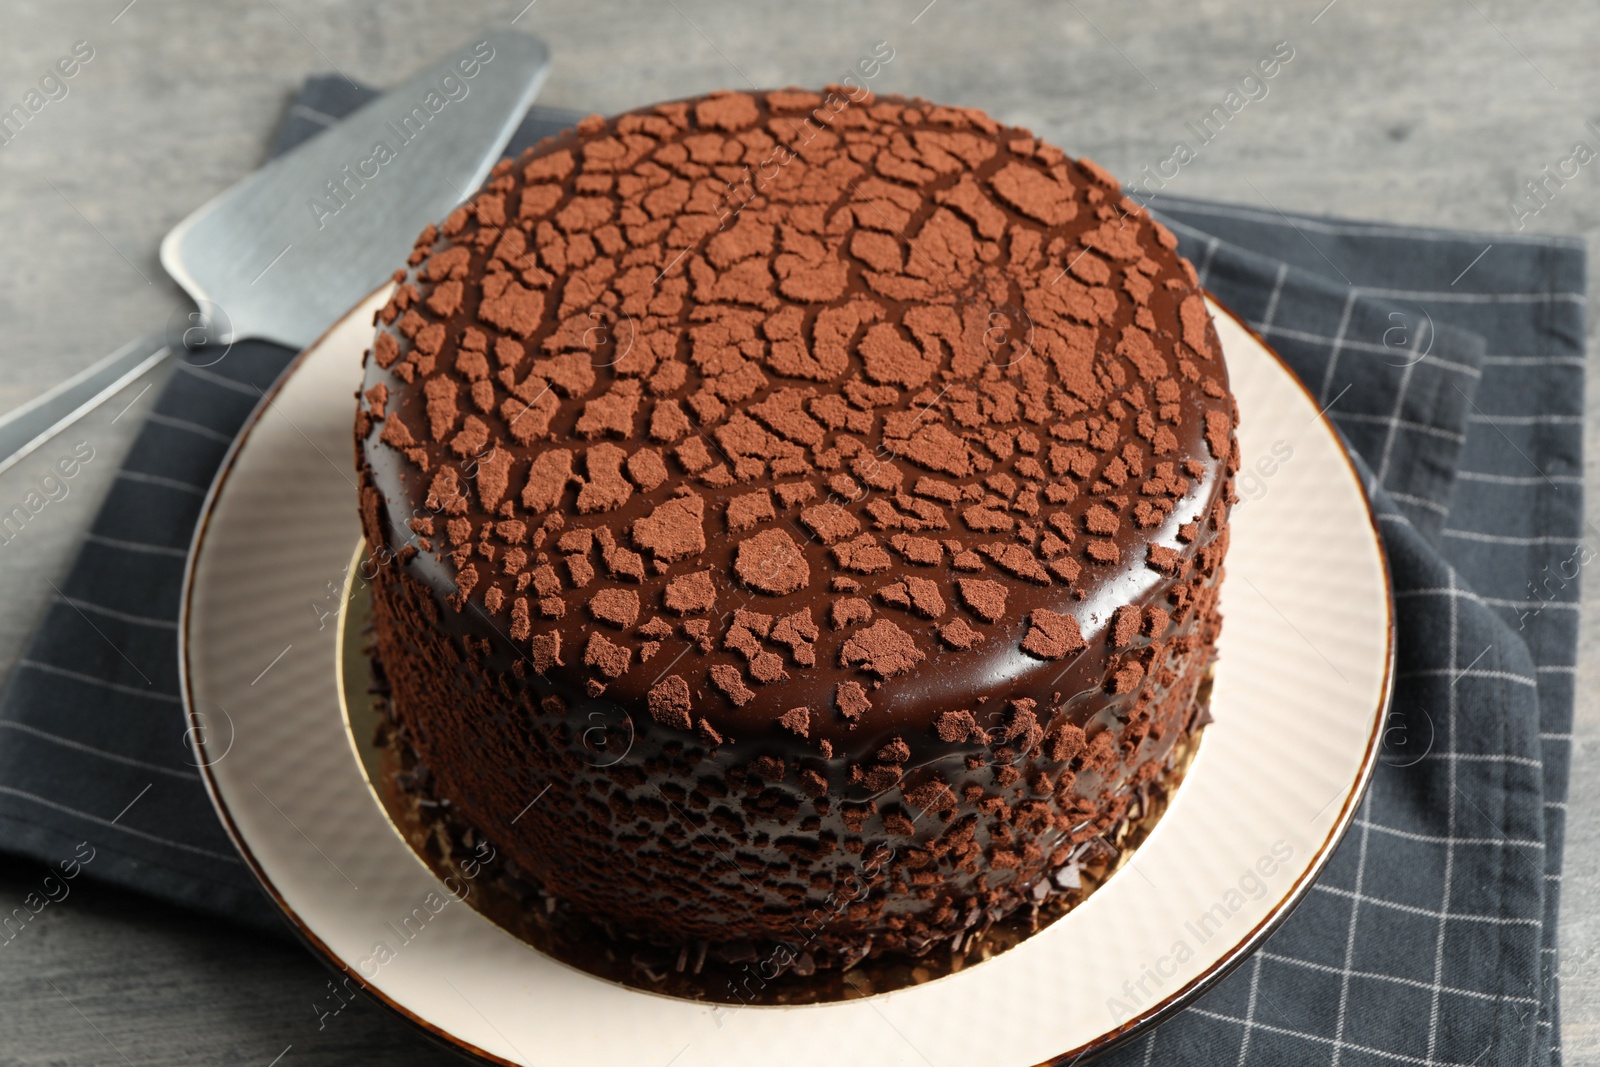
pixel 1429 112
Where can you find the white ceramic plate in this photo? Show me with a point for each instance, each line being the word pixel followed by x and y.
pixel 1302 686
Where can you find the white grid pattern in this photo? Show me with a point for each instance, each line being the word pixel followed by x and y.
pixel 1326 327
pixel 1483 864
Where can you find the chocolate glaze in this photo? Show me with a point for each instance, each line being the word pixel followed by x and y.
pixel 493 884
pixel 1063 433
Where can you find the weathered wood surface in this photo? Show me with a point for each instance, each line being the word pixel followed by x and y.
pixel 1427 113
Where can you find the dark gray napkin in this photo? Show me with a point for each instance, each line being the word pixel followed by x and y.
pixel 1453 364
pixel 1456 377
pixel 93 741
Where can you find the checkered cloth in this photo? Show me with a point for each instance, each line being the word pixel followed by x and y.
pixel 1452 363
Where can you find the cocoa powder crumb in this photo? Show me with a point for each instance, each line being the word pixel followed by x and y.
pixel 619 607
pixel 690 593
pixel 1051 635
pixel 674 530
pixel 800 356
pixel 797 721
pixel 750 510
pixel 863 555
pixel 1125 625
pixel 983 597
pixel 669 703
pixel 896 751
pixel 848 611
pixel 851 700
pixel 959 635
pixel 771 562
pixel 829 522
pixel 609 658
pixel 883 649
pixel 952 726
pixel 730 680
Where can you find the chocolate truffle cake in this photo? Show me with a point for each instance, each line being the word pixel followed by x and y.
pixel 799 518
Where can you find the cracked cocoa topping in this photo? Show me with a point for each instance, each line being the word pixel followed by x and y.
pixel 789 489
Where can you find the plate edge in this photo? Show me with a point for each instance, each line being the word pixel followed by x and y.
pixel 1145 1021
pixel 1301 888
pixel 320 949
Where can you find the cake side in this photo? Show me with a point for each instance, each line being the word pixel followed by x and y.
pixel 745 973
pixel 874 518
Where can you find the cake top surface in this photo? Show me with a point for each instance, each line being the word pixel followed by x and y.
pixel 793 411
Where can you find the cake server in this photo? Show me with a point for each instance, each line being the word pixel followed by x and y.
pixel 280 255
